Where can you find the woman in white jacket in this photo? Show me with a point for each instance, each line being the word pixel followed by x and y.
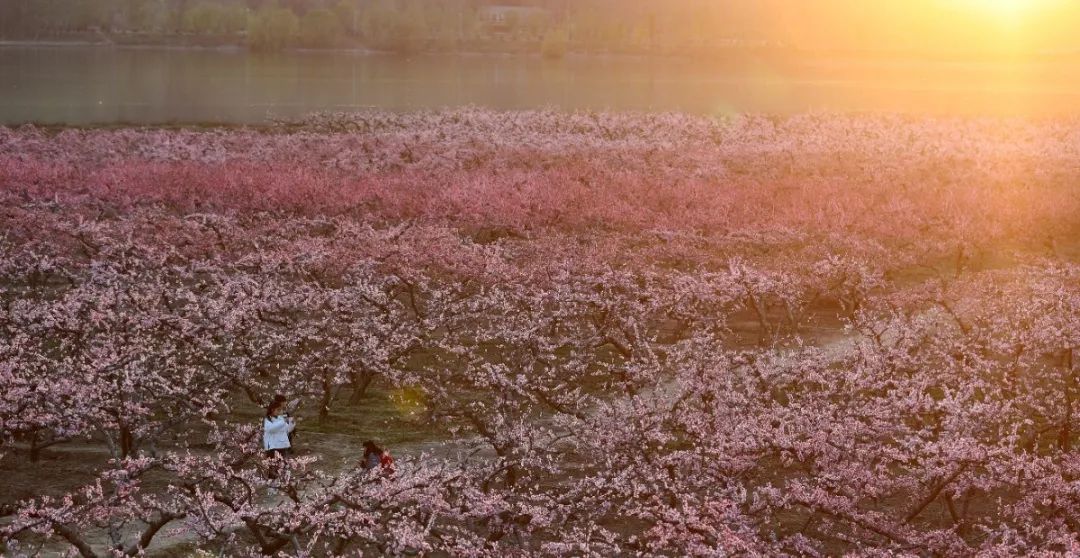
pixel 276 429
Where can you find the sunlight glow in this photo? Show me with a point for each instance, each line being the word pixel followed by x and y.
pixel 1006 7
pixel 1009 10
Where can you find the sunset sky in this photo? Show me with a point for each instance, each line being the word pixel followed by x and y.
pixel 945 26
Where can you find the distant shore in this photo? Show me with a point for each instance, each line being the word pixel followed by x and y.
pixel 194 42
pixel 473 48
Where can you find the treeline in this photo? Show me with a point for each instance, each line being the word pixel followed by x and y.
pixel 552 26
pixel 696 27
pixel 261 25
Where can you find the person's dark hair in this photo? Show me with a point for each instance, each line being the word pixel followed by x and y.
pixel 275 403
pixel 371 447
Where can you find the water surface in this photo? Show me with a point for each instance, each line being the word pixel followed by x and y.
pixel 95 84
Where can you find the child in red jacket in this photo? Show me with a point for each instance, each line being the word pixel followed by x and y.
pixel 376 457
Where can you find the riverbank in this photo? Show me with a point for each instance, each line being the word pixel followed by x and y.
pixel 464 48
pixel 746 53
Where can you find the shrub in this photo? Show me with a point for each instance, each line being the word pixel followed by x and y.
pixel 394 30
pixel 212 18
pixel 273 29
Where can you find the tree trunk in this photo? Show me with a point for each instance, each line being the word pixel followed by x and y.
pixel 511 476
pixel 127 442
pixel 361 382
pixel 957 519
pixel 791 317
pixel 933 494
pixel 324 402
pixel 74 539
pixel 763 318
pixel 37 445
pixel 959 260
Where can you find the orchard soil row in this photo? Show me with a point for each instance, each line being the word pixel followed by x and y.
pixel 581 334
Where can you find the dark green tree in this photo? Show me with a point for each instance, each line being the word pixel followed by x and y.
pixel 272 29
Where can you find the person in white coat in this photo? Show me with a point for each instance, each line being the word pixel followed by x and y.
pixel 276 428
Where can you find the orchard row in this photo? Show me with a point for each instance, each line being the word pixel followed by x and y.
pixel 652 335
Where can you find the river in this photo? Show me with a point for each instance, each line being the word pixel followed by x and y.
pixel 114 85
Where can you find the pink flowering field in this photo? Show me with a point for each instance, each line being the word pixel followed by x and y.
pixel 580 334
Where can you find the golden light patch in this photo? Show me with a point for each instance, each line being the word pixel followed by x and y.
pixel 408 401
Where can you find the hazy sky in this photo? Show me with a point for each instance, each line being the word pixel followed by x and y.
pixel 926 25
